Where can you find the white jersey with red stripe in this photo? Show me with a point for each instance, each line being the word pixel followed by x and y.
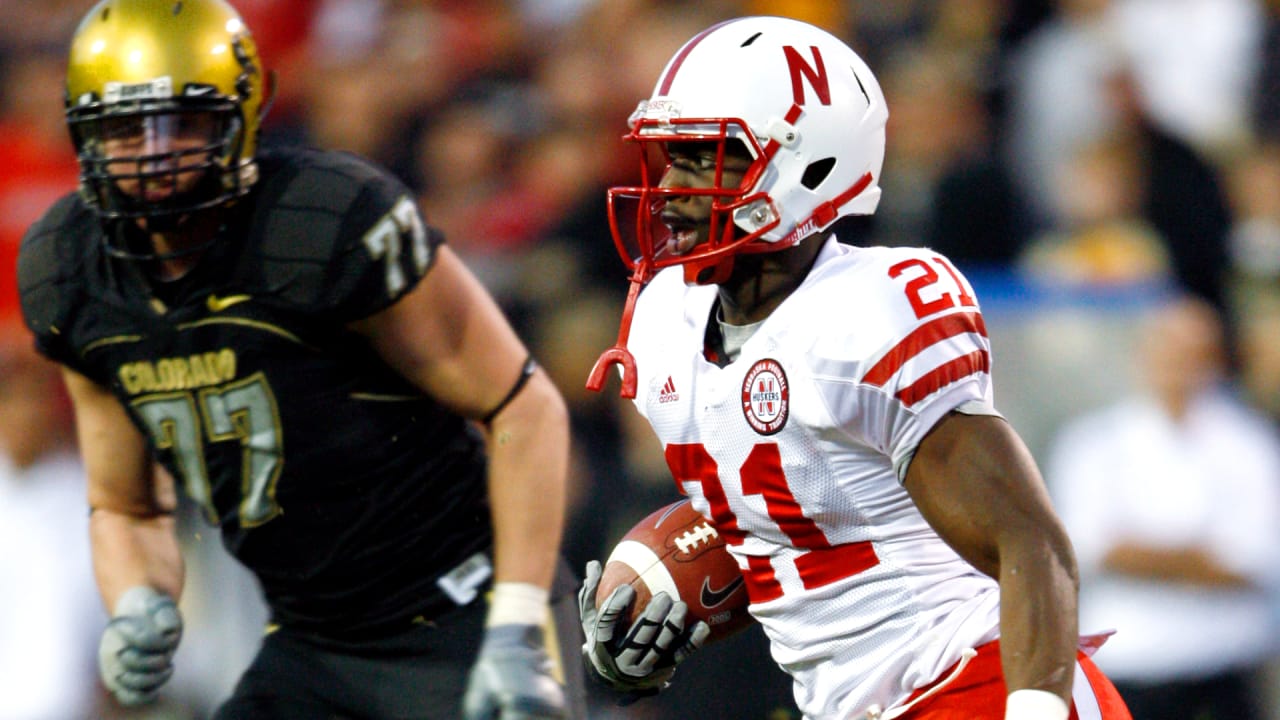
pixel 794 450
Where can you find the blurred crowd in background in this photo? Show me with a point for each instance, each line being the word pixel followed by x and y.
pixel 1080 160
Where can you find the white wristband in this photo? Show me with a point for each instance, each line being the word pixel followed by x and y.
pixel 517 604
pixel 1028 704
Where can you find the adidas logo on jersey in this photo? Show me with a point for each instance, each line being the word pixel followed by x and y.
pixel 668 393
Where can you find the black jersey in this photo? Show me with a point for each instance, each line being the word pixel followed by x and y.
pixel 342 487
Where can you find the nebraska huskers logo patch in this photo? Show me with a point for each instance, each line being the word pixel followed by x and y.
pixel 765 397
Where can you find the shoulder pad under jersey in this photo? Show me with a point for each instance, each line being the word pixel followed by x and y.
pixel 918 328
pixel 337 234
pixel 895 291
pixel 49 264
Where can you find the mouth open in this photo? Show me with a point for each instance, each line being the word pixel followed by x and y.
pixel 682 240
pixel 684 233
pixel 158 191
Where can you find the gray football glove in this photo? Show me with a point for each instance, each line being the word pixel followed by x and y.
pixel 135 656
pixel 641 661
pixel 511 679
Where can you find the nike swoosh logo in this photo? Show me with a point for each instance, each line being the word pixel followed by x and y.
pixel 218 304
pixel 711 598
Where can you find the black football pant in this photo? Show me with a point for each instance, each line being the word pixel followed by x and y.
pixel 294 679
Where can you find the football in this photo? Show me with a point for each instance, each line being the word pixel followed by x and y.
pixel 676 550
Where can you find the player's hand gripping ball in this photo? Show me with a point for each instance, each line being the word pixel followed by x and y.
pixel 655 601
pixel 677 551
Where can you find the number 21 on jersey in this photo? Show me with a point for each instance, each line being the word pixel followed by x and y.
pixel 922 289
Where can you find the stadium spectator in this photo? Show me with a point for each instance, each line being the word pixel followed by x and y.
pixel 1102 240
pixel 950 189
pixel 1172 498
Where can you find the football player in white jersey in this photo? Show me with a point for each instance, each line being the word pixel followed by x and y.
pixel 828 408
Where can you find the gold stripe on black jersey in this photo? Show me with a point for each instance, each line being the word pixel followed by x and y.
pixel 113 340
pixel 246 322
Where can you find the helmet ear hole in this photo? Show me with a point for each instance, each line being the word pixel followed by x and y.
pixel 817 171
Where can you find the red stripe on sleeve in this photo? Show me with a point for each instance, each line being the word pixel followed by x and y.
pixel 945 374
pixel 921 338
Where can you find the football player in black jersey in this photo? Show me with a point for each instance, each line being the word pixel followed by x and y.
pixel 303 357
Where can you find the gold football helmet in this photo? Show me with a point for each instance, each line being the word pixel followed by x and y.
pixel 164 101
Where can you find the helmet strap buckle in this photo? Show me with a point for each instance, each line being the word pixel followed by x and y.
pixel 782 132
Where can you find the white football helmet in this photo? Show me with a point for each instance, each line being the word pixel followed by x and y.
pixel 806 107
pixel 809 112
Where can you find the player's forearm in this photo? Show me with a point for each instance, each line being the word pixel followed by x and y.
pixel 1038 621
pixel 529 451
pixel 129 551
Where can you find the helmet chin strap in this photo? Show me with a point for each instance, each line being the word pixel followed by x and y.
pixel 716 268
pixel 121 248
pixel 619 354
pixel 709 273
pixel 121 253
